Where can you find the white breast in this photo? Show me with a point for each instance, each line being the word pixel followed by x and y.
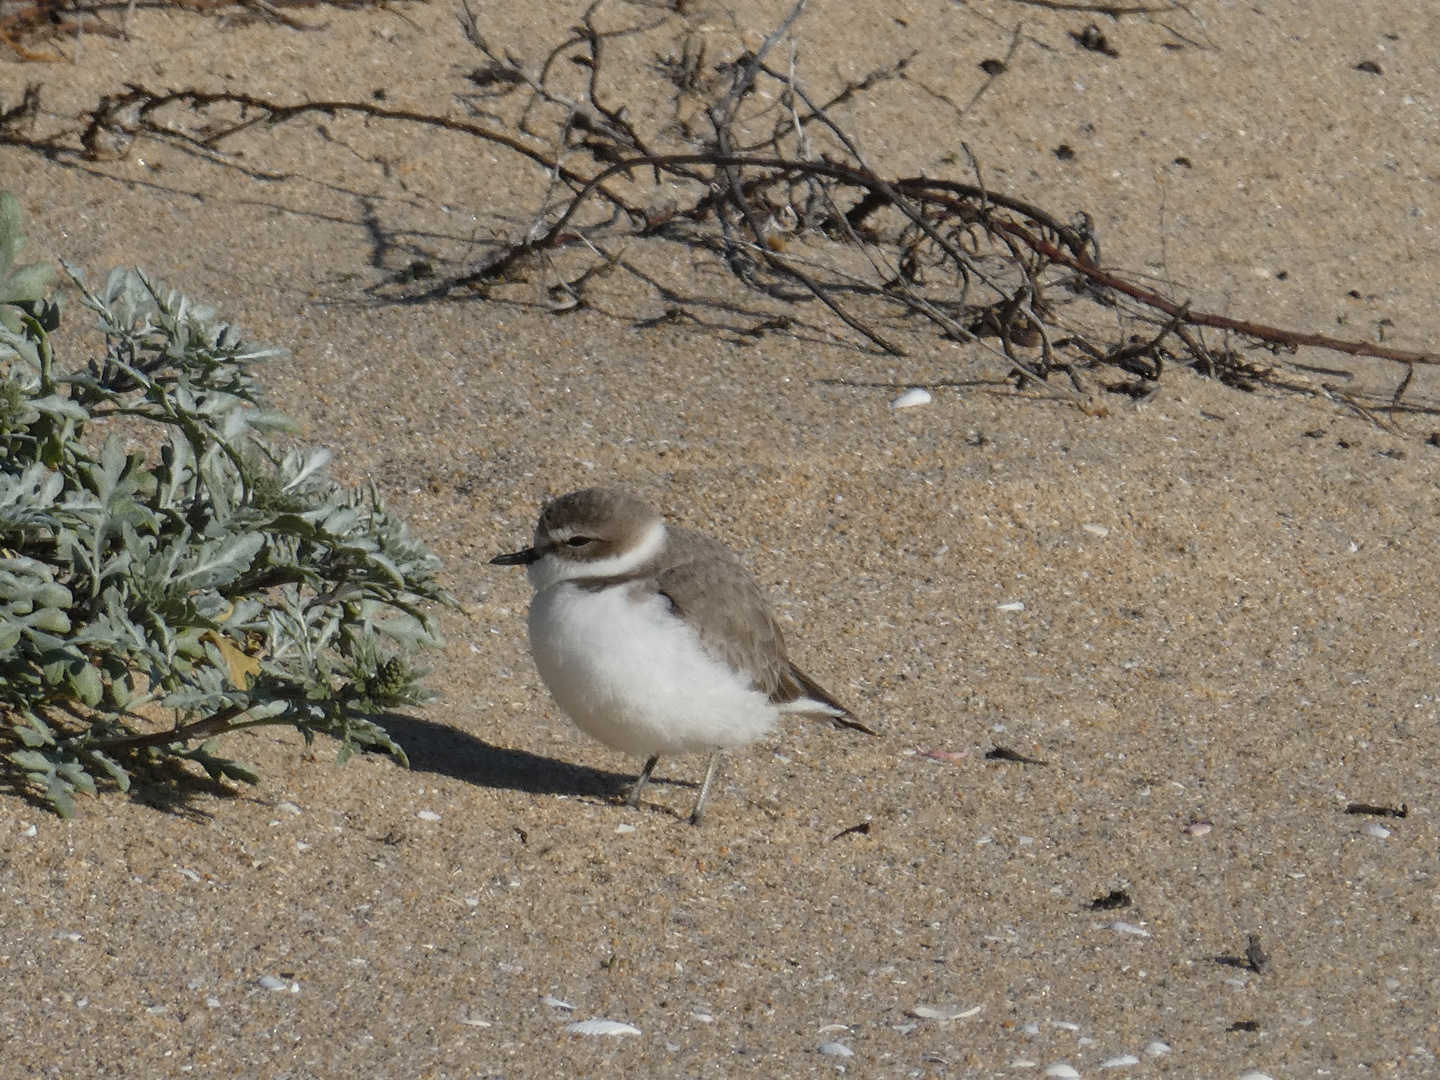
pixel 634 675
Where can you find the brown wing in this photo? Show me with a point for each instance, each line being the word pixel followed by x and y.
pixel 733 619
pixel 735 622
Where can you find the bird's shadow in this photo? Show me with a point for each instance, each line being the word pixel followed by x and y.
pixel 448 751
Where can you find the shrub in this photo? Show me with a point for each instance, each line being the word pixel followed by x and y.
pixel 212 581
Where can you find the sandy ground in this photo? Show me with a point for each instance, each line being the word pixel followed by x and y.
pixel 1226 600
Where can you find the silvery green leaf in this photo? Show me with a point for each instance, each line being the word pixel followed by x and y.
pixel 221 562
pixel 53 594
pixel 76 776
pixel 32 761
pixel 15 343
pixel 234 770
pixel 406 629
pixel 27 283
pixel 61 795
pixel 268 709
pixel 111 767
pixel 86 684
pixel 48 644
pixel 51 620
pixel 55 405
pixel 32 737
pixel 313 463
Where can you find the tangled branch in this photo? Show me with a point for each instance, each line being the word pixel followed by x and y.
pixel 747 168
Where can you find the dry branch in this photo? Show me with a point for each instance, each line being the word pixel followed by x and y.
pixel 769 184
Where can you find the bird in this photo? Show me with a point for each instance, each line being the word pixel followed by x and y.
pixel 654 639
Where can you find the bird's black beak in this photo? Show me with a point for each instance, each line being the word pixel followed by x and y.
pixel 516 558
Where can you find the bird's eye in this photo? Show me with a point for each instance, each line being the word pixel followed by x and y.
pixel 579 541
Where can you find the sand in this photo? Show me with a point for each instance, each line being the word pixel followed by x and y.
pixel 1225 619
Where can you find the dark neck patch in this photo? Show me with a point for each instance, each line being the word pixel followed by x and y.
pixel 596 584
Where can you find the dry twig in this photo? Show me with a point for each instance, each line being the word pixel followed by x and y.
pixel 772 185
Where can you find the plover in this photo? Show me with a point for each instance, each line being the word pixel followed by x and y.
pixel 656 640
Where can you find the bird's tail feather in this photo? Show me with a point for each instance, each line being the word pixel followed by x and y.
pixel 807 696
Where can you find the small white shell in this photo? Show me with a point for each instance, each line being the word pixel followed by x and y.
pixel 1062 1071
pixel 944 1012
pixel 1157 1048
pixel 929 1012
pixel 1255 1076
pixel 835 1049
pixel 556 1003
pixel 1013 605
pixel 601 1027
pixel 1129 928
pixel 1376 830
pixel 624 829
pixel 1198 828
pixel 1120 1062
pixel 428 815
pixel 1095 529
pixel 912 398
pixel 270 982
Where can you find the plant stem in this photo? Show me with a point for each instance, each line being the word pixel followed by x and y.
pixel 210 725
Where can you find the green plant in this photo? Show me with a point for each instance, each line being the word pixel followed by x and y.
pixel 214 580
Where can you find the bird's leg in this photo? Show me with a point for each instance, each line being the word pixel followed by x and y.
pixel 633 798
pixel 699 812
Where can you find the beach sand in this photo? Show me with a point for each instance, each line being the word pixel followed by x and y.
pixel 1226 595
